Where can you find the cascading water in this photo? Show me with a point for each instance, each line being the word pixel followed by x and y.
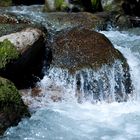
pixel 69 120
pixel 107 84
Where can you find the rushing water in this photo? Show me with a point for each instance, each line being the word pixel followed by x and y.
pixel 69 120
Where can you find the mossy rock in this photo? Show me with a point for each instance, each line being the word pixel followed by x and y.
pixel 7 53
pixel 10 28
pixel 60 5
pixel 7 19
pixel 21 61
pixel 5 3
pixel 12 108
pixel 8 93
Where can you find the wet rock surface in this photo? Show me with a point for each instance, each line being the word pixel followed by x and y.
pixel 30 46
pixel 12 108
pixel 85 54
pixel 75 49
pixel 78 48
pixel 61 20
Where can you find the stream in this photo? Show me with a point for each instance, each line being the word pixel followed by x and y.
pixel 69 120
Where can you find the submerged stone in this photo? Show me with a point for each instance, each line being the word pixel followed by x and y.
pixel 79 48
pixel 22 58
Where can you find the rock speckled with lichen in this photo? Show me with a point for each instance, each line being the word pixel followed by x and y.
pixel 28 45
pixel 8 52
pixel 78 48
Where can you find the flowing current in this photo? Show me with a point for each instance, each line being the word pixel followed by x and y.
pixel 69 120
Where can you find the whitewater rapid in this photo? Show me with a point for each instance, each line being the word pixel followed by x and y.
pixel 69 120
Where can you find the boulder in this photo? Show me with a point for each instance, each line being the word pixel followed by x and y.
pixel 5 19
pixel 61 20
pixel 89 57
pixel 10 23
pixel 12 108
pixel 27 47
pixel 78 48
pixel 24 39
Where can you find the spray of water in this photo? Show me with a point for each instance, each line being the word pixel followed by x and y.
pixel 69 120
pixel 107 84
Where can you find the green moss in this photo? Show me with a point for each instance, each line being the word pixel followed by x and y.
pixel 7 53
pixel 5 3
pixel 95 4
pixel 12 108
pixel 8 93
pixel 108 7
pixel 60 5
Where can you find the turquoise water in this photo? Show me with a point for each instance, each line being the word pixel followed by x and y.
pixel 69 120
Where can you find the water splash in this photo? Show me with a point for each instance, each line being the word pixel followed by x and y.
pixel 68 120
pixel 128 43
pixel 107 84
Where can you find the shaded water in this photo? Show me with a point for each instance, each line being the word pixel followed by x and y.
pixel 69 120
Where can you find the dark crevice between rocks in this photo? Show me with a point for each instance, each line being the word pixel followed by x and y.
pixel 48 58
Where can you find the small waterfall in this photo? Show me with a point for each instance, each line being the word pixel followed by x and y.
pixel 69 120
pixel 110 83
